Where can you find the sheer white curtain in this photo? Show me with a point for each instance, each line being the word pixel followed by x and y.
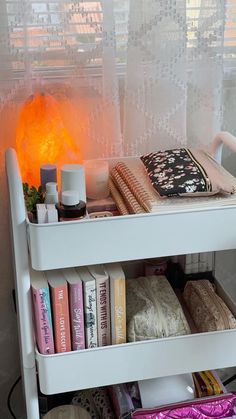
pixel 168 54
pixel 174 73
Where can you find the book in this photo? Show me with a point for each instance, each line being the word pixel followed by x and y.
pixel 195 263
pixel 186 263
pixel 103 304
pixel 203 262
pixel 210 261
pixel 117 302
pixel 60 310
pixel 76 304
pixel 42 313
pixel 90 307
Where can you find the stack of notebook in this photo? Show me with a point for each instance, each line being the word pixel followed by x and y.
pixel 133 192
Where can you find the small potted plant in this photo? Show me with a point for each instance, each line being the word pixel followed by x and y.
pixel 32 196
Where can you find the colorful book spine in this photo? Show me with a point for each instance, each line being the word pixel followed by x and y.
pixel 43 319
pixel 90 307
pixel 60 310
pixel 75 289
pixel 103 304
pixel 117 302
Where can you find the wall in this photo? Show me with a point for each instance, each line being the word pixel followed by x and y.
pixel 9 360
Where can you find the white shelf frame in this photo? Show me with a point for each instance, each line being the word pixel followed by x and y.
pixel 137 237
pixel 136 361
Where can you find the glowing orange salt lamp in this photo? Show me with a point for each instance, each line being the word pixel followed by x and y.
pixel 41 137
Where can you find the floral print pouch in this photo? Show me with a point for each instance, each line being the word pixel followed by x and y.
pixel 186 171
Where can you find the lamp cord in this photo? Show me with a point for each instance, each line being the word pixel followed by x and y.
pixel 229 380
pixel 9 397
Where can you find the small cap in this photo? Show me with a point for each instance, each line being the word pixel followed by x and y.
pixel 70 198
pixel 72 168
pixel 48 167
pixel 51 187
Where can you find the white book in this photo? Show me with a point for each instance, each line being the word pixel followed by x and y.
pixel 210 261
pixel 117 302
pixel 188 264
pixel 195 263
pixel 203 262
pixel 90 307
pixel 103 304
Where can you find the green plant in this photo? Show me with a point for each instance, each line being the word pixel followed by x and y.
pixel 32 196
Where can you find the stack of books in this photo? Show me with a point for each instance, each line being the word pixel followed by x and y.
pixel 78 308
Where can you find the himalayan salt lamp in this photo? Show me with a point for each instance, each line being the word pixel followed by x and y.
pixel 42 138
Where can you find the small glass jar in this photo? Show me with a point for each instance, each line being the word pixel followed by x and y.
pixel 71 208
pixel 96 177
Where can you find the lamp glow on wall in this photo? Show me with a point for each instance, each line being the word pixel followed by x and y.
pixel 42 138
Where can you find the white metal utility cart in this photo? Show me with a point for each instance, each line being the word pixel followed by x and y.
pixel 124 238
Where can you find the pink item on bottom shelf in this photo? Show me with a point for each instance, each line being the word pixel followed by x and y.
pixel 222 406
pixel 121 400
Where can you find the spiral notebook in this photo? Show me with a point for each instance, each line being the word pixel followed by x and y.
pixel 120 203
pixel 134 186
pixel 126 189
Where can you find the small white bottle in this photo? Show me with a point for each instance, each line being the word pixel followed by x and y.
pixel 51 196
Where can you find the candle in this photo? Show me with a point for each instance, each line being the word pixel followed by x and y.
pixel 96 177
pixel 48 173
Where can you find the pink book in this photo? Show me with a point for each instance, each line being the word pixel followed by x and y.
pixel 103 304
pixel 60 310
pixel 75 289
pixel 42 313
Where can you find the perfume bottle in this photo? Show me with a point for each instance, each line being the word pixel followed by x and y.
pixel 71 208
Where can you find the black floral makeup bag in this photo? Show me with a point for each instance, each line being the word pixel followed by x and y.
pixel 186 171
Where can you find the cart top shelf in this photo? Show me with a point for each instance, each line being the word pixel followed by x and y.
pixel 170 231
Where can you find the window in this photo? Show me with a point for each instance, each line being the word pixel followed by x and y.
pixel 64 35
pixel 60 34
